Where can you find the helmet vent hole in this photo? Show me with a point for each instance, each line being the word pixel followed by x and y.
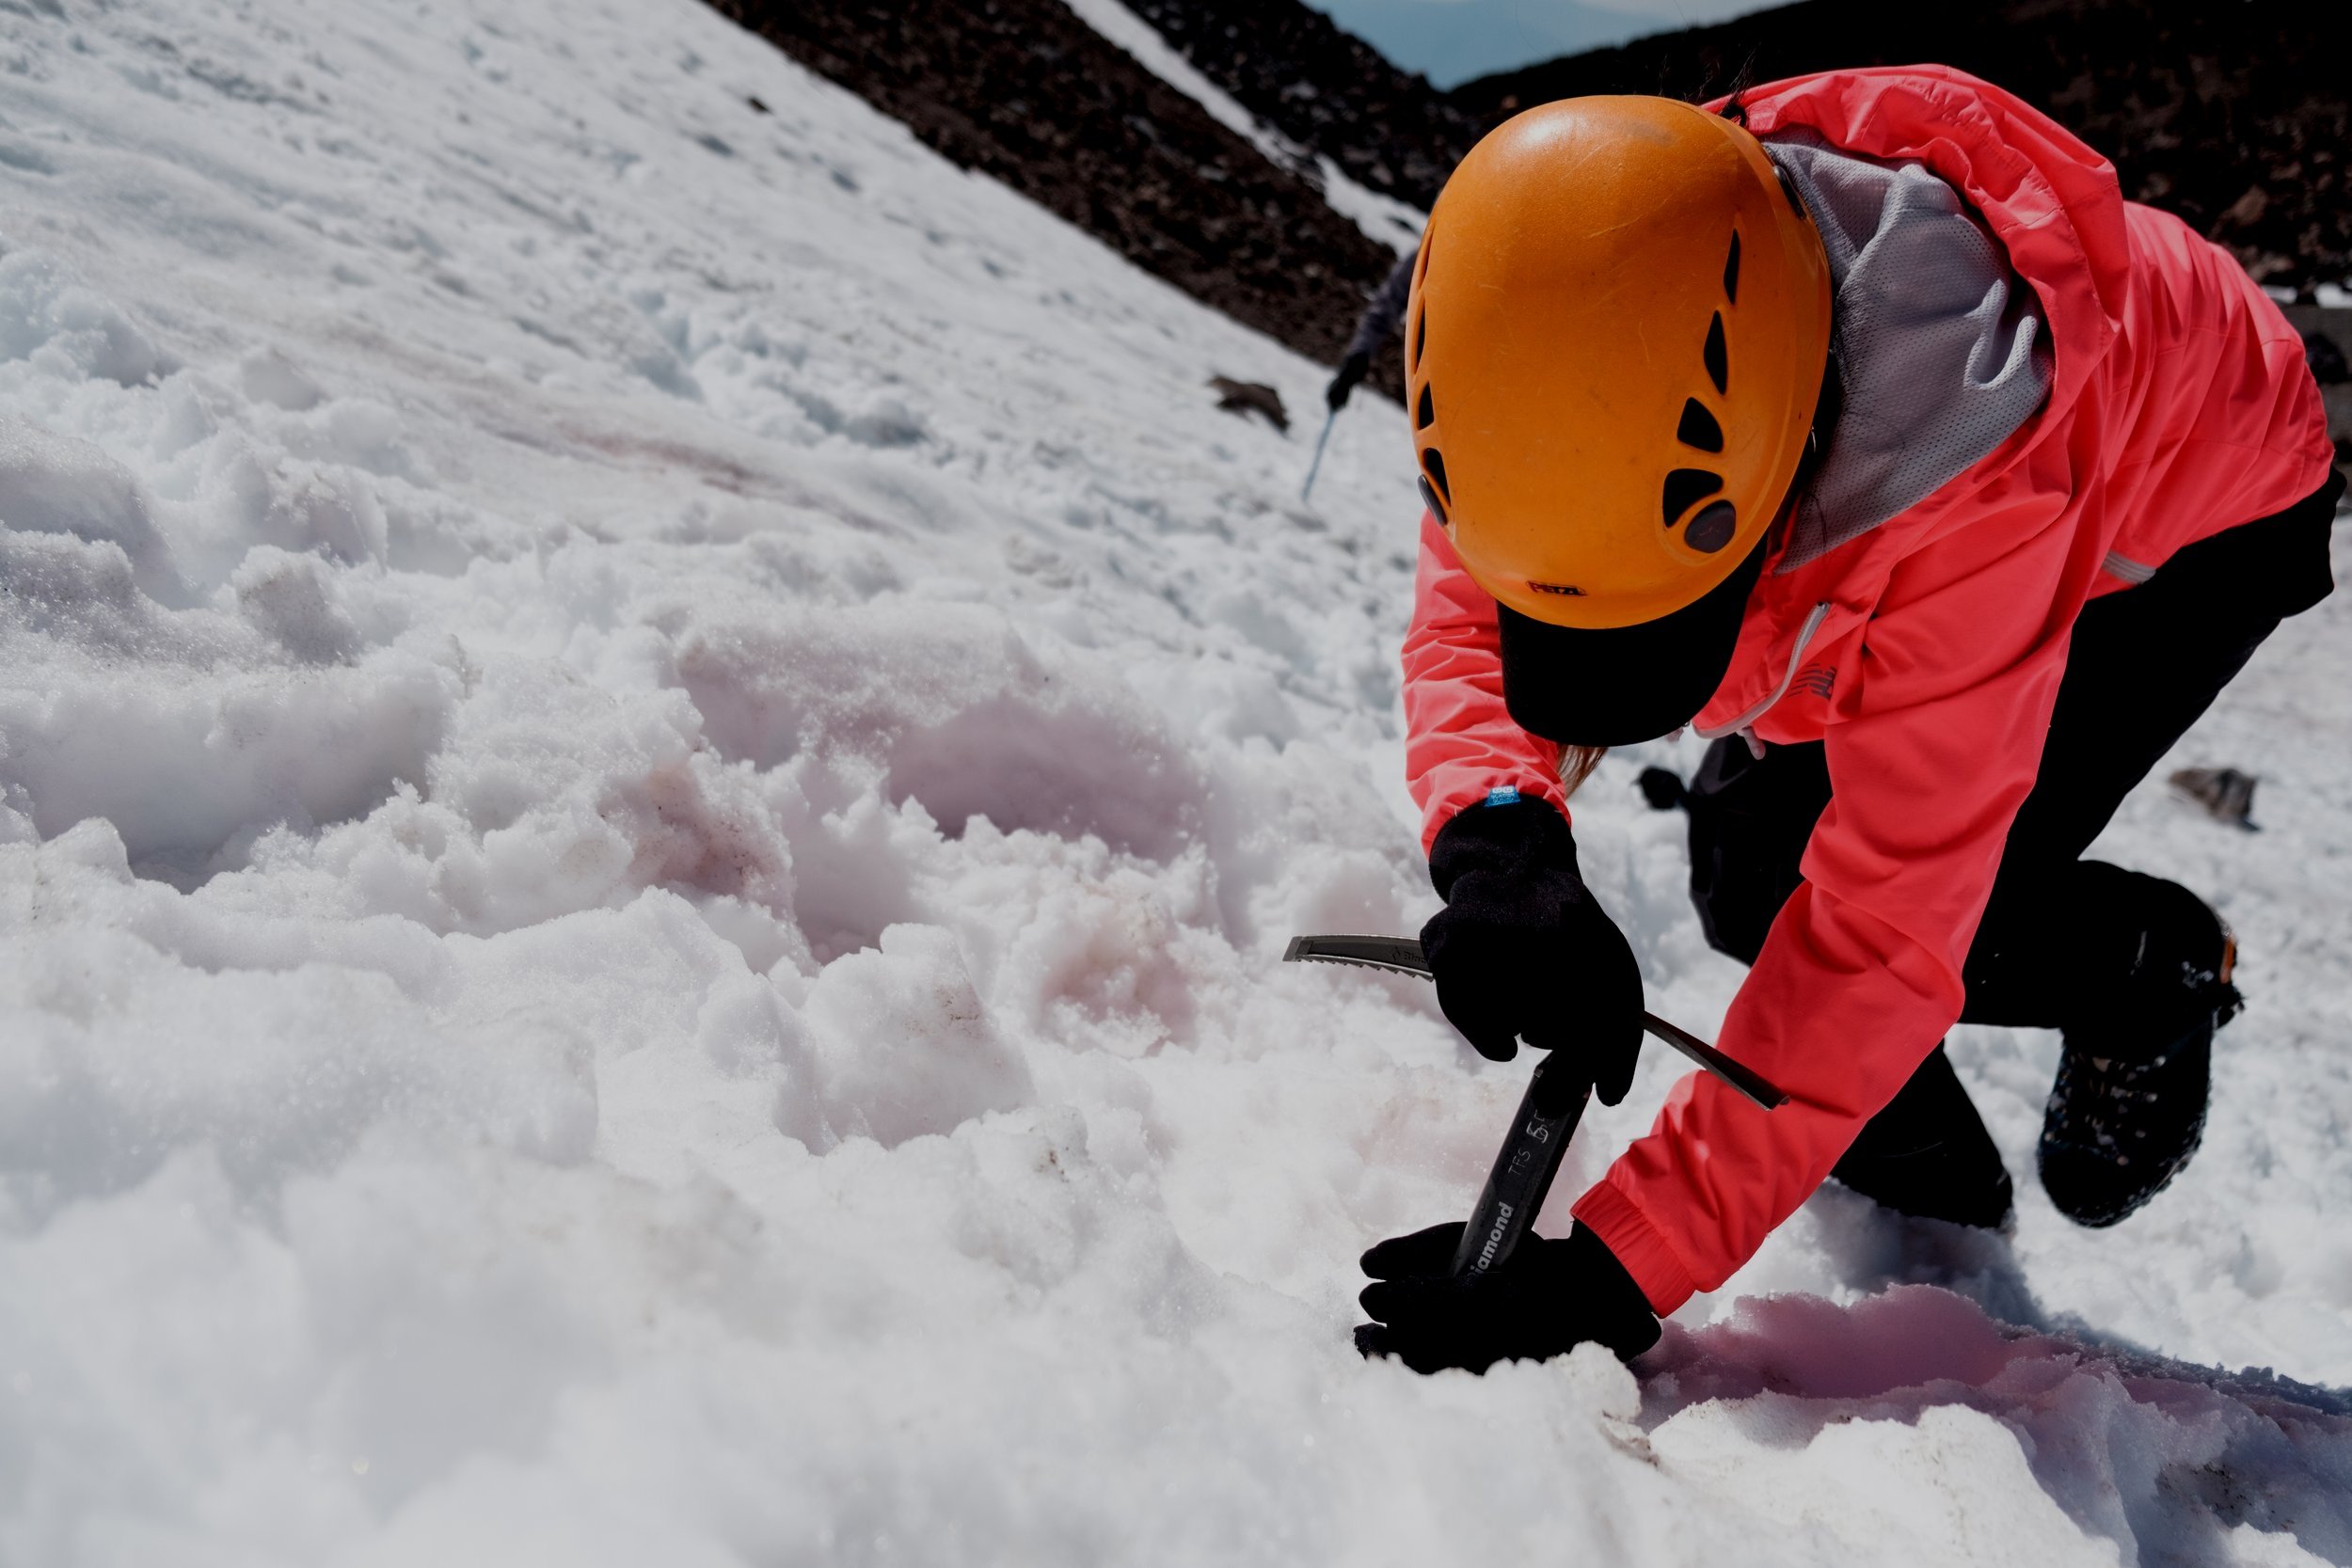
pixel 1718 356
pixel 1686 485
pixel 1427 414
pixel 1434 463
pixel 1712 529
pixel 1698 428
pixel 1731 268
pixel 1421 335
pixel 1429 499
pixel 1426 241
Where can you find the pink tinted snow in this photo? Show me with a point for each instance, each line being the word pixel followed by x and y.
pixel 2162 1457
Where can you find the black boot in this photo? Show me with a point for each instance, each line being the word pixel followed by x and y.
pixel 1928 1155
pixel 2129 1105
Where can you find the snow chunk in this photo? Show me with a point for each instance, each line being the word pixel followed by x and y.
pixel 53 484
pixel 98 1083
pixel 295 601
pixel 66 329
pixel 899 1045
pixel 179 767
pixel 267 376
pixel 948 706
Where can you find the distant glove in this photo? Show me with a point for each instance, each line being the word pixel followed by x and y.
pixel 1520 950
pixel 1547 1298
pixel 1352 373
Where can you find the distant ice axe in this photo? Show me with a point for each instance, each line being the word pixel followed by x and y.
pixel 1328 421
pixel 1403 955
pixel 1548 1113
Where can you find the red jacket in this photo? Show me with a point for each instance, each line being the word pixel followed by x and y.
pixel 1927 652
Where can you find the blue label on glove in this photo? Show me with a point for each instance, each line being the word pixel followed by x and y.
pixel 1503 797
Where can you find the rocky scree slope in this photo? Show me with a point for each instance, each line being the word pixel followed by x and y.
pixel 2233 117
pixel 1325 88
pixel 1027 92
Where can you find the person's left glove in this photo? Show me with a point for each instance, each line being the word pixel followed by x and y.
pixel 1521 951
pixel 1544 1300
pixel 1352 371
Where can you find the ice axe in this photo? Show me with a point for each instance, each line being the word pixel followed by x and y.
pixel 1548 1113
pixel 1328 421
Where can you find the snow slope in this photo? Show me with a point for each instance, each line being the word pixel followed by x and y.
pixel 653 762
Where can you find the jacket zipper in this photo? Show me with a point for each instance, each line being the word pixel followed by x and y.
pixel 1804 636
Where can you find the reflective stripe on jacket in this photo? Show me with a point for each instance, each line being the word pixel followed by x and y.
pixel 1927 652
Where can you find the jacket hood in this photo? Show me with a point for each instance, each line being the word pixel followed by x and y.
pixel 2052 204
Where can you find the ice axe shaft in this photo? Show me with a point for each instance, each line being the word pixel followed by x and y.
pixel 1515 1188
pixel 1403 955
pixel 1328 421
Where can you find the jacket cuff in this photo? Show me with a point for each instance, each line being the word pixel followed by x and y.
pixel 1638 1245
pixel 1443 808
pixel 1507 831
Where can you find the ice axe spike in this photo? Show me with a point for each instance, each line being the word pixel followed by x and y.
pixel 1403 955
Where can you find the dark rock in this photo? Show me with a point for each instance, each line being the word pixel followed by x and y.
pixel 1251 397
pixel 2224 792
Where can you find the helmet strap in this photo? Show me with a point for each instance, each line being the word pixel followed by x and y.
pixel 1828 404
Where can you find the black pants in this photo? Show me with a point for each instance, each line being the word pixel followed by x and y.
pixel 2143 665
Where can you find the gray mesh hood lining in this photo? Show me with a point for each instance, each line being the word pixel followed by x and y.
pixel 1941 348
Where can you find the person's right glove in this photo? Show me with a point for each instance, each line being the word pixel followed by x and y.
pixel 1521 951
pixel 1352 371
pixel 1545 1299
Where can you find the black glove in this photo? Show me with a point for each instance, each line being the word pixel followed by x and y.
pixel 1352 370
pixel 1520 950
pixel 1547 1298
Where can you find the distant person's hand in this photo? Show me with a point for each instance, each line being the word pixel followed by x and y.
pixel 1352 370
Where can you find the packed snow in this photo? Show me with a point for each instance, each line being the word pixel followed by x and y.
pixel 655 756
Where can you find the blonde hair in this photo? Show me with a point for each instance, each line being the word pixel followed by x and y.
pixel 1576 764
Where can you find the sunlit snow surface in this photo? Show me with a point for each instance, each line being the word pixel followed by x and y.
pixel 653 763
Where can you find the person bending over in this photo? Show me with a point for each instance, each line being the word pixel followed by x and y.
pixel 1859 424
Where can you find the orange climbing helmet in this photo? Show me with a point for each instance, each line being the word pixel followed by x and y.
pixel 1614 351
